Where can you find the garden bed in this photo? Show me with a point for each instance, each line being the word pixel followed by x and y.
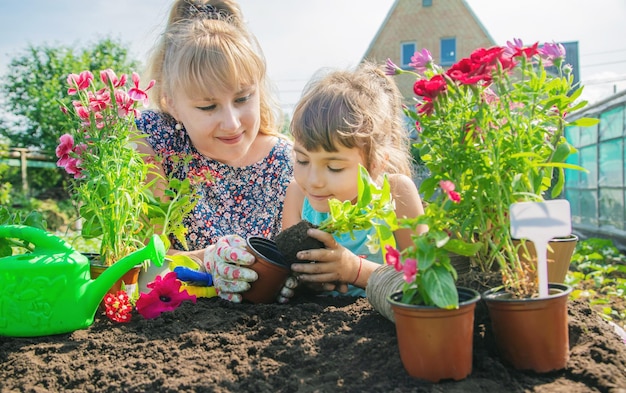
pixel 311 345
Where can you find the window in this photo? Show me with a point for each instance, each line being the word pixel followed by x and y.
pixel 408 50
pixel 448 51
pixel 598 196
pixel 427 3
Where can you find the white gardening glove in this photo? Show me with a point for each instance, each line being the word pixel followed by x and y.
pixel 287 291
pixel 224 260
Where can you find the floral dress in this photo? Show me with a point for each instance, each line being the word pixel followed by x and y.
pixel 246 201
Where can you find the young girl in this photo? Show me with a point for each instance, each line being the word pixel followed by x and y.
pixel 213 105
pixel 344 119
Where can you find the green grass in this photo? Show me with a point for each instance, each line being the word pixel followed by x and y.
pixel 598 272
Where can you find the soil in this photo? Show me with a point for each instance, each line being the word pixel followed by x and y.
pixel 313 344
pixel 294 239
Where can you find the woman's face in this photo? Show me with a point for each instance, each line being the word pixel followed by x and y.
pixel 323 175
pixel 221 125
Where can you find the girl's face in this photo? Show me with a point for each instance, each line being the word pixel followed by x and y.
pixel 222 125
pixel 324 175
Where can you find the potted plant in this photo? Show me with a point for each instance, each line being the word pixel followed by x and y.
pixel 493 124
pixel 434 318
pixel 373 208
pixel 109 185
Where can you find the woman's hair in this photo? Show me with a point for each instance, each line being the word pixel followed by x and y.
pixel 207 47
pixel 358 109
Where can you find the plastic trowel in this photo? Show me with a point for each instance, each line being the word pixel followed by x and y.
pixel 540 222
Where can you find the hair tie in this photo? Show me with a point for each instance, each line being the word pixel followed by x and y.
pixel 204 11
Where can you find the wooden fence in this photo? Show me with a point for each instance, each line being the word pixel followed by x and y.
pixel 25 158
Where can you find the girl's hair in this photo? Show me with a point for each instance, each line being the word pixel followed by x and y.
pixel 207 47
pixel 360 108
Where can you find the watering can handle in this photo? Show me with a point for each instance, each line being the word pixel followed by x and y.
pixel 39 237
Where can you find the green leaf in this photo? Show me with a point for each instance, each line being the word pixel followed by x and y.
pixel 462 248
pixel 584 122
pixel 439 284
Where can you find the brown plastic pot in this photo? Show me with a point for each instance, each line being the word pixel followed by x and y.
pixel 271 269
pixel 531 334
pixel 436 344
pixel 559 256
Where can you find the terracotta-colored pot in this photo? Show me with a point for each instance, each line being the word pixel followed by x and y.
pixel 559 256
pixel 531 334
pixel 130 280
pixel 271 268
pixel 434 343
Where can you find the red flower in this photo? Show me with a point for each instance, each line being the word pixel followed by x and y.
pixel 164 296
pixel 430 88
pixel 392 258
pixel 118 306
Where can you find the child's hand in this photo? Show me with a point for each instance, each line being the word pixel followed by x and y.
pixel 334 265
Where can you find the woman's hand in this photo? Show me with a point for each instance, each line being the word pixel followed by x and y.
pixel 224 261
pixel 334 267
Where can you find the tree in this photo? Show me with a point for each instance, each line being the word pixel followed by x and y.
pixel 35 86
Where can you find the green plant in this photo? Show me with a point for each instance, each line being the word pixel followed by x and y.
pixel 373 208
pixel 428 273
pixel 33 86
pixel 493 125
pixel 598 272
pixel 109 184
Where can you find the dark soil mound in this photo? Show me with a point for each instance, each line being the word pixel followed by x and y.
pixel 294 239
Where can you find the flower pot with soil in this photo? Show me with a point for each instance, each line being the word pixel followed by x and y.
pixel 436 344
pixel 531 333
pixel 560 251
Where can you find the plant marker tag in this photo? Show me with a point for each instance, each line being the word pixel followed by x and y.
pixel 540 222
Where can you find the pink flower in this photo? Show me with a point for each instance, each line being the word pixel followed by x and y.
pixel 391 68
pixel 392 257
pixel 421 59
pixel 552 53
pixel 164 296
pixel 448 187
pixel 410 269
pixel 65 146
pixel 109 75
pixel 136 93
pixel 79 82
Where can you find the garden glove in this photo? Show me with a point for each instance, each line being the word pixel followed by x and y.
pixel 225 260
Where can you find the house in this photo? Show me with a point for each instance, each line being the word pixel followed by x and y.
pixel 449 29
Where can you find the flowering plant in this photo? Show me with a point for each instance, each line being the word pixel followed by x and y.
pixel 428 273
pixel 115 200
pixel 493 124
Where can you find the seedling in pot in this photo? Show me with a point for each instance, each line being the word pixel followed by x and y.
pixel 374 208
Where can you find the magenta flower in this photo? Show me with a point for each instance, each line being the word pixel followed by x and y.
pixel 552 53
pixel 421 60
pixel 164 296
pixel 448 187
pixel 136 93
pixel 409 269
pixel 392 257
pixel 109 75
pixel 79 82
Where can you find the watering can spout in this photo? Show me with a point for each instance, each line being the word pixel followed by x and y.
pixel 96 289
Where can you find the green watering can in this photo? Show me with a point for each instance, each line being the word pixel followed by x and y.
pixel 50 290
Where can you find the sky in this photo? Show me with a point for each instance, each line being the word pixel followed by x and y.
pixel 301 36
